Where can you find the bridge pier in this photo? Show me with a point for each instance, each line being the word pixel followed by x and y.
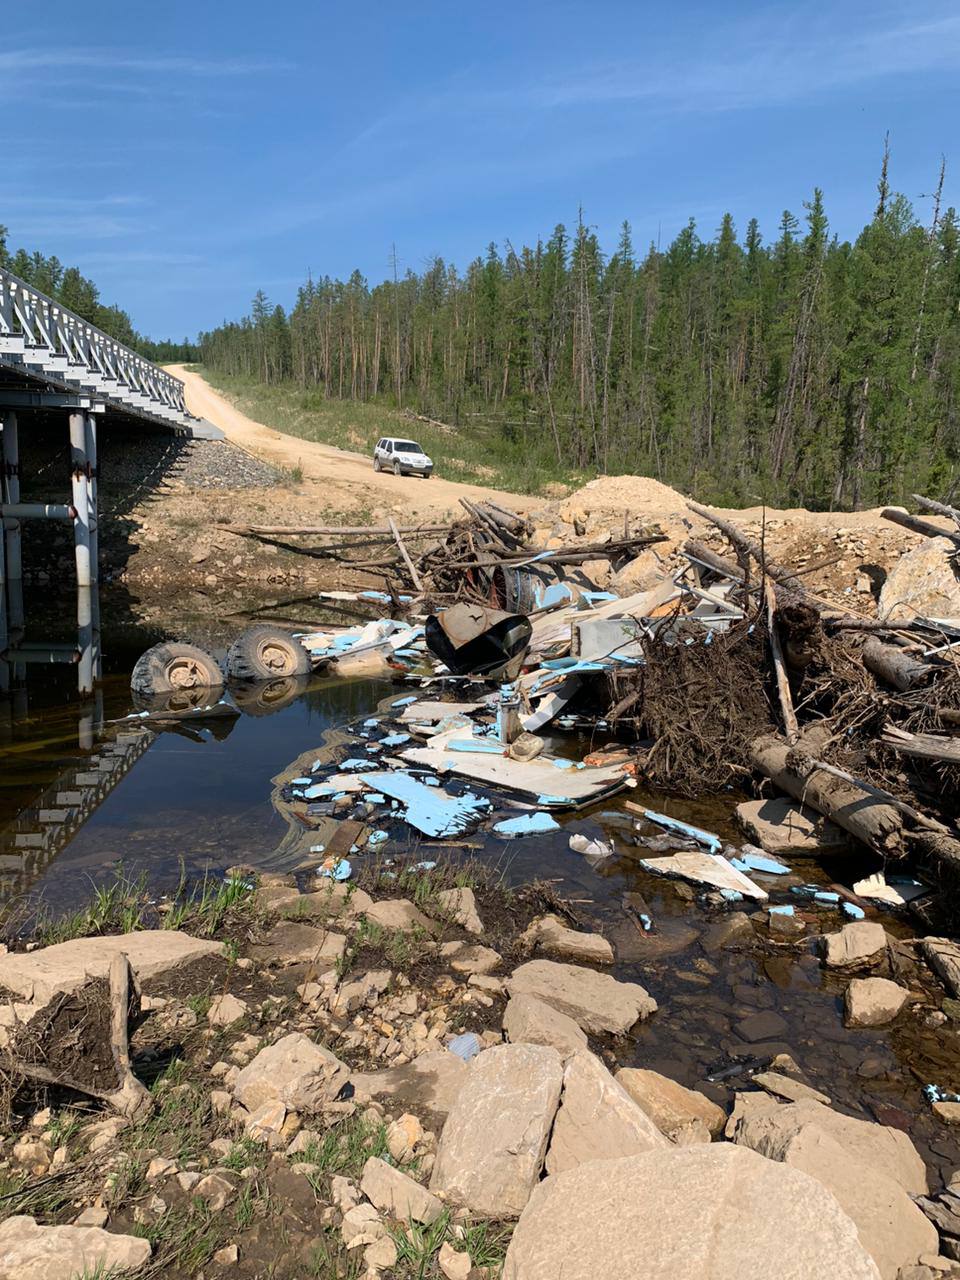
pixel 84 516
pixel 80 479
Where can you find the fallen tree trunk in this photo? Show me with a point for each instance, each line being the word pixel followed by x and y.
pixel 938 508
pixel 747 545
pixel 779 669
pixel 894 666
pixel 925 528
pixel 922 746
pixel 874 822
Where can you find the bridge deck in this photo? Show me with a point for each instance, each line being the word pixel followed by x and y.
pixel 51 358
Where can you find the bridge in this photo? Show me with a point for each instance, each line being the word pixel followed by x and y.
pixel 55 366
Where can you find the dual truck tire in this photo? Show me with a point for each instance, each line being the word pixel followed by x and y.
pixel 184 676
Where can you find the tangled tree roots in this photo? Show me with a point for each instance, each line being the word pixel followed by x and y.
pixel 703 704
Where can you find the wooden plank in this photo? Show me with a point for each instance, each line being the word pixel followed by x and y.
pixel 431 712
pixel 551 786
pixel 415 576
pixel 779 668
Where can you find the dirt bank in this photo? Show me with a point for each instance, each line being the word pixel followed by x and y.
pixel 336 476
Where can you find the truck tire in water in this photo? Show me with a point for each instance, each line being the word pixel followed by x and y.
pixel 265 653
pixel 180 674
pixel 267 696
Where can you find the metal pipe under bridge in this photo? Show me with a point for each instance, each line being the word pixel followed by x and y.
pixel 54 365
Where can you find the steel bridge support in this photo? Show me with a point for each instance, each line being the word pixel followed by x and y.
pixel 82 512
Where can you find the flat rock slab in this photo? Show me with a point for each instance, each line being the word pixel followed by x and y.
pixel 394 1193
pixel 763 1025
pixel 597 1119
pixel 712 870
pixel 553 936
pixel 429 1084
pixel 470 957
pixel 786 1087
pixel 781 826
pixel 860 943
pixel 671 1106
pixel 597 1002
pixel 527 1020
pixel 399 913
pixel 942 955
pixel 704 1212
pixel 29 1251
pixel 875 1145
pixel 293 943
pixel 40 975
pixel 334 901
pixel 493 1144
pixel 295 1071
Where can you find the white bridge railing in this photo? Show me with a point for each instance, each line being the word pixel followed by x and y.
pixel 44 339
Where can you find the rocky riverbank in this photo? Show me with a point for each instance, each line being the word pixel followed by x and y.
pixel 422 1074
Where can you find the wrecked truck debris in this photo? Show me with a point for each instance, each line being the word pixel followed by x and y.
pixel 486 643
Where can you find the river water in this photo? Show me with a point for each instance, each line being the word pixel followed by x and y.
pixel 199 797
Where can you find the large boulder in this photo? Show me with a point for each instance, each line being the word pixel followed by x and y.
pixel 876 1145
pixel 857 945
pixel 672 1107
pixel 595 1001
pixel 492 1147
pixel 873 1002
pixel 943 957
pixel 302 1075
pixel 527 1020
pixel 712 1212
pixel 29 1251
pixel 873 1171
pixel 597 1120
pixel 639 574
pixel 782 826
pixel 922 582
pixel 891 1227
pixel 40 975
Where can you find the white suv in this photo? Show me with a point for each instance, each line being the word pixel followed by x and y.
pixel 402 457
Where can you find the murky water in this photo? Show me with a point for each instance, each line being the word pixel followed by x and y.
pixel 201 796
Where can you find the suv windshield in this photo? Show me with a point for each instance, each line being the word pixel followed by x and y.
pixel 406 446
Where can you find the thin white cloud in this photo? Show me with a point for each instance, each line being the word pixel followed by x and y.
pixel 102 58
pixel 794 61
pixel 68 227
pixel 40 203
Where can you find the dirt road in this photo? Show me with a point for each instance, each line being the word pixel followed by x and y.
pixel 341 480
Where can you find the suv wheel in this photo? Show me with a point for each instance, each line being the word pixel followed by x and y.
pixel 396 469
pixel 376 463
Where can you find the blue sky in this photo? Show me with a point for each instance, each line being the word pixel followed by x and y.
pixel 185 155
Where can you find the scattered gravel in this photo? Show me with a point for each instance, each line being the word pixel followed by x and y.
pixel 215 464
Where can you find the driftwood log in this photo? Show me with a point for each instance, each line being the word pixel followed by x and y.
pixel 926 528
pixel 922 746
pixel 894 666
pixel 746 545
pixel 938 508
pixel 129 1097
pixel 869 819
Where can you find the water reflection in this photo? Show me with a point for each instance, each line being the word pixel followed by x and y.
pixel 84 786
